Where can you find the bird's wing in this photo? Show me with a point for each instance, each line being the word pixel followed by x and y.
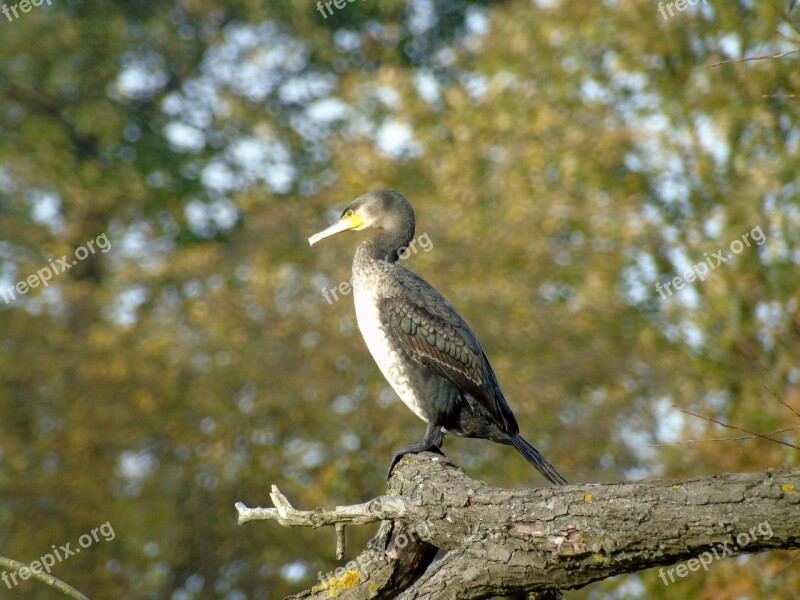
pixel 434 335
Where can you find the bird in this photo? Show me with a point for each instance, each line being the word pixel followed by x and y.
pixel 422 345
pixel 791 5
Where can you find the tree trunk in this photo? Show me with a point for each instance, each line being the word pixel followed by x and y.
pixel 539 541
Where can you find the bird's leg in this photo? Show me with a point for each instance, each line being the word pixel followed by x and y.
pixel 432 442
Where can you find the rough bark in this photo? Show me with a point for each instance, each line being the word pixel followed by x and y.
pixel 539 541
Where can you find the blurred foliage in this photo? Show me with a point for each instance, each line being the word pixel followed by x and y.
pixel 562 157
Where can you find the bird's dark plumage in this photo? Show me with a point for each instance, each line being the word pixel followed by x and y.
pixel 435 336
pixel 424 348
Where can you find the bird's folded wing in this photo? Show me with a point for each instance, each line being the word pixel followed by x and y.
pixel 437 337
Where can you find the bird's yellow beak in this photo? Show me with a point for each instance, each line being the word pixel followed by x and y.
pixel 346 223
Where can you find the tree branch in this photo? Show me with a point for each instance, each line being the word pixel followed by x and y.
pixel 734 427
pixel 378 509
pixel 539 541
pixel 53 582
pixel 752 58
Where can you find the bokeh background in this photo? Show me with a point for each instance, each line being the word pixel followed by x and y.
pixel 563 158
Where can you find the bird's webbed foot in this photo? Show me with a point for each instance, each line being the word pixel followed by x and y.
pixel 432 442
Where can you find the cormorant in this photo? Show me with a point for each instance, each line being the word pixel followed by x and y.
pixel 423 347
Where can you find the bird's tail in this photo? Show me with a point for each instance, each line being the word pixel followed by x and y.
pixel 532 455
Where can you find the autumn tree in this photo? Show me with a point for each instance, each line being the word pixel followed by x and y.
pixel 562 158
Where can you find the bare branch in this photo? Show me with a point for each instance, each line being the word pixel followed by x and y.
pixel 787 565
pixel 751 58
pixel 727 425
pixel 535 542
pixel 724 439
pixel 340 541
pixel 53 582
pixel 779 399
pixel 378 509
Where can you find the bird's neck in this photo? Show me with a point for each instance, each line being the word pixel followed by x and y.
pixel 385 244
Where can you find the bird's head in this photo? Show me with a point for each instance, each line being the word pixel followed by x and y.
pixel 382 209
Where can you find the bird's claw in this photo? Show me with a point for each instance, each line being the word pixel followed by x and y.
pixel 398 455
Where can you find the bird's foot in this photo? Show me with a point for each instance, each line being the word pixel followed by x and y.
pixel 413 449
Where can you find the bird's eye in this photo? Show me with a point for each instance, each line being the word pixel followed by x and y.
pixel 349 212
